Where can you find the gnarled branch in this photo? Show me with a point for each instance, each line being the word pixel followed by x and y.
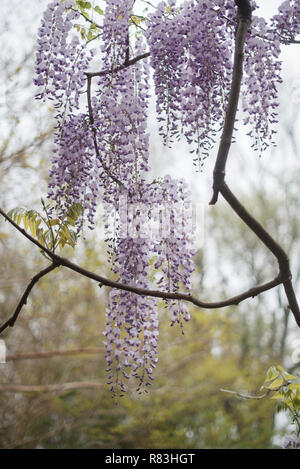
pixel 61 261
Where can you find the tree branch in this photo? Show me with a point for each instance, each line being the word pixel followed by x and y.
pixel 52 353
pixel 247 396
pixel 127 63
pixel 226 138
pixel 219 185
pixel 61 261
pixel 11 321
pixel 91 117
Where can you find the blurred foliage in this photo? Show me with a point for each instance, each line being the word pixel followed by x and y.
pixel 285 389
pixel 184 409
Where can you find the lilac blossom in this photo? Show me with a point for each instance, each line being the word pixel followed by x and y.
pixel 286 23
pixel 61 61
pixel 262 69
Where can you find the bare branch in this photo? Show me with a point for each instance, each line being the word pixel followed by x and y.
pixel 284 276
pixel 127 63
pixel 247 396
pixel 61 261
pixel 11 321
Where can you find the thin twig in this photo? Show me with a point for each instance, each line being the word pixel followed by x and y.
pixel 91 117
pixel 226 138
pixel 284 276
pixel 11 321
pixel 87 19
pixel 130 62
pixel 247 396
pixel 219 186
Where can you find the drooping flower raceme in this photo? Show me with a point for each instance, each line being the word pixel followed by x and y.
pixel 61 63
pixel 155 225
pixel 120 119
pixel 60 59
pixel 191 54
pixel 259 91
pixel 191 47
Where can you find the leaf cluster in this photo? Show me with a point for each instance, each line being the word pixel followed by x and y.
pixel 51 232
pixel 286 388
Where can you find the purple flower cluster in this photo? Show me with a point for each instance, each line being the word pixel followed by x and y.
pixel 174 247
pixel 291 443
pixel 191 53
pixel 286 24
pixel 120 109
pixel 132 320
pixel 61 63
pixel 153 249
pixel 115 30
pixel 120 122
pixel 75 171
pixel 60 59
pixel 262 70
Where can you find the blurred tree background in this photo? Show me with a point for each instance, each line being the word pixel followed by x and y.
pixel 52 388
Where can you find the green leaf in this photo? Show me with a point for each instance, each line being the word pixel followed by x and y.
pixel 90 36
pixel 84 5
pixel 277 395
pixel 32 227
pixel 276 383
pixel 25 222
pixel 98 10
pixel 272 373
pixel 65 233
pixel 53 222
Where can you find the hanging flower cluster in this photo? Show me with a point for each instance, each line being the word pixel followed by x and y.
pixel 262 70
pixel 61 63
pixel 60 59
pixel 286 24
pixel 155 225
pixel 291 443
pixel 191 47
pixel 191 50
pixel 120 120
